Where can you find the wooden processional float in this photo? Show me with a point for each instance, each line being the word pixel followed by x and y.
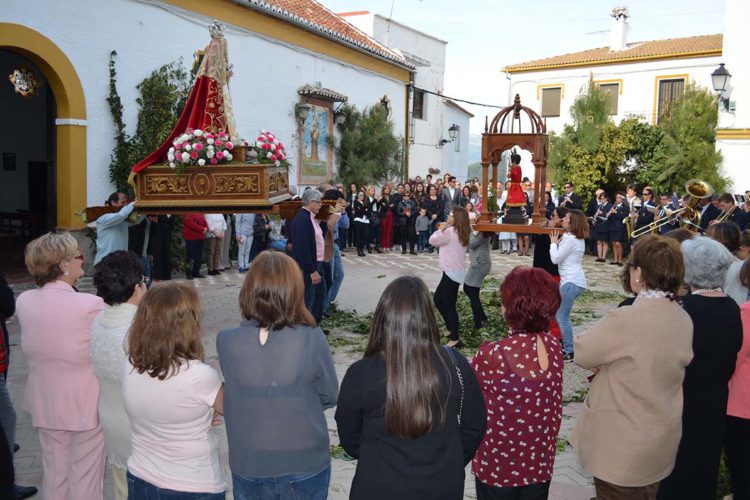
pixel 515 126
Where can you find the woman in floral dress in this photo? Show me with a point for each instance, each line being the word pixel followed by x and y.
pixel 521 378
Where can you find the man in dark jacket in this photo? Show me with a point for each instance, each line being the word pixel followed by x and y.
pixel 570 200
pixel 708 212
pixel 308 248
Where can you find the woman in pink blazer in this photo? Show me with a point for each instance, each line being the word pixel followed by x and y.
pixel 62 393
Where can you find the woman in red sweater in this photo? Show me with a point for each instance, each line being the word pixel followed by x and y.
pixel 194 229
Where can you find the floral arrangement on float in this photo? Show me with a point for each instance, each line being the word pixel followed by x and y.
pixel 198 147
pixel 267 149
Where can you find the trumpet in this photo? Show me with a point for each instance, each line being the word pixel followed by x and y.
pixel 689 217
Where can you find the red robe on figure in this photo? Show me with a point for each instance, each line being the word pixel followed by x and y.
pixel 516 196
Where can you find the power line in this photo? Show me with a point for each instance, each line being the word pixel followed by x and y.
pixel 457 99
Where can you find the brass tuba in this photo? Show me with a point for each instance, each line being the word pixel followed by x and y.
pixel 698 190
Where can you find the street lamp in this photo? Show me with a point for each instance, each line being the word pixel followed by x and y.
pixel 453 131
pixel 719 79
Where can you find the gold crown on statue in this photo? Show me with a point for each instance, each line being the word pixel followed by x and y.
pixel 216 29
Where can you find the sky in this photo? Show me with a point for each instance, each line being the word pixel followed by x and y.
pixel 485 35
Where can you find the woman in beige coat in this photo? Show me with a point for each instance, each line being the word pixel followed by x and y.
pixel 628 433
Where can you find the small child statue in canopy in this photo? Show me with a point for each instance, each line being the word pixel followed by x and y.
pixel 516 201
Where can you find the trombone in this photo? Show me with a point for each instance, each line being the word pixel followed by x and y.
pixel 689 217
pixel 724 215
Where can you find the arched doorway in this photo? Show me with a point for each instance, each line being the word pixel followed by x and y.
pixel 69 130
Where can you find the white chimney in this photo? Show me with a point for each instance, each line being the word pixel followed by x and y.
pixel 619 32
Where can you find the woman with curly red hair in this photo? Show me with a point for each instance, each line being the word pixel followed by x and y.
pixel 517 454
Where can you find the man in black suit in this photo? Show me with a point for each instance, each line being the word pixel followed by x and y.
pixel 570 200
pixel 305 251
pixel 451 196
pixel 738 216
pixel 708 212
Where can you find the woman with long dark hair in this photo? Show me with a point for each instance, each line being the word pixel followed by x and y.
pixel 361 217
pixel 452 237
pixel 433 205
pixel 386 207
pixel 566 251
pixel 410 411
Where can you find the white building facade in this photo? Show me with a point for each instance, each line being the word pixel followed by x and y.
pixel 274 52
pixel 733 134
pixel 431 116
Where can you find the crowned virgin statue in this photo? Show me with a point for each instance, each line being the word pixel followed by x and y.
pixel 209 106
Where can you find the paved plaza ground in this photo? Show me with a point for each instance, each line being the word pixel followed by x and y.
pixel 366 277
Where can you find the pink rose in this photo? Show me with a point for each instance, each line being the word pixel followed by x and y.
pixel 219 155
pixel 261 138
pixel 209 136
pixel 214 161
pixel 266 146
pixel 194 155
pixel 280 156
pixel 272 157
pixel 229 146
pixel 197 146
pixel 218 143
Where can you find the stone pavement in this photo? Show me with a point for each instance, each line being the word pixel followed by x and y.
pixel 365 279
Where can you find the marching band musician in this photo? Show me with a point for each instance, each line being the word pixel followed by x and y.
pixel 667 207
pixel 708 212
pixel 648 210
pixel 600 225
pixel 632 198
pixel 617 232
pixel 727 205
pixel 570 200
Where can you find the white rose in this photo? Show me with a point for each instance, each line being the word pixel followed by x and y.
pixel 171 150
pixel 269 155
pixel 185 137
pixel 273 147
pixel 172 165
pixel 210 148
pixel 228 156
pixel 277 163
pixel 210 141
pixel 170 157
pixel 201 162
pixel 253 154
pixel 185 157
pixel 209 154
pixel 198 132
pixel 188 147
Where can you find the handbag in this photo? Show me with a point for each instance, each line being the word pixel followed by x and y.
pixel 452 355
pixel 375 219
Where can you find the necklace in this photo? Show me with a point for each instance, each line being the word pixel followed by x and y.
pixel 705 290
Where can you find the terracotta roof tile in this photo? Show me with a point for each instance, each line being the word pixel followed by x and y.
pixel 315 17
pixel 693 46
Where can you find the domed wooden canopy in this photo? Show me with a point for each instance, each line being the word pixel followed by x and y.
pixel 515 125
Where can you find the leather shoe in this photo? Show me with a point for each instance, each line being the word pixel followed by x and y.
pixel 199 276
pixel 21 492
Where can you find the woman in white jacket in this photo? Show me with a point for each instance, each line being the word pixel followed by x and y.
pixel 567 252
pixel 217 225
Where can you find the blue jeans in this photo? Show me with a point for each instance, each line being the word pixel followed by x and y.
pixel 147 271
pixel 288 487
pixel 569 293
pixel 422 240
pixel 138 489
pixel 315 294
pixel 278 245
pixel 337 266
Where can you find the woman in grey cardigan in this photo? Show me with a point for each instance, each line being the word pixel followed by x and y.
pixel 279 378
pixel 479 267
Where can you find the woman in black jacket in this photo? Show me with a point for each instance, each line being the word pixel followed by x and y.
pixel 412 425
pixel 361 217
pixel 433 204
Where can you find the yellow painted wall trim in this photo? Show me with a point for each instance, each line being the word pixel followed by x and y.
pixel 613 80
pixel 607 62
pixel 539 88
pixel 733 133
pixel 657 79
pixel 245 17
pixel 71 116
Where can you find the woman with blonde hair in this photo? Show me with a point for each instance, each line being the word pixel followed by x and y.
pixel 170 396
pixel 567 252
pixel 62 393
pixel 280 378
pixel 452 238
pixel 628 433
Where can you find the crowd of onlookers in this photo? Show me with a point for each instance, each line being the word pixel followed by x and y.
pixel 120 377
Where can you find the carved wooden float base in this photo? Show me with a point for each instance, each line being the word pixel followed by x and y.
pixel 234 187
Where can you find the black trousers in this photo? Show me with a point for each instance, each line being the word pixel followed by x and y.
pixel 445 297
pixel 737 448
pixel 476 304
pixel 538 491
pixel 194 256
pixel 162 267
pixel 407 235
pixel 361 234
pixel 374 235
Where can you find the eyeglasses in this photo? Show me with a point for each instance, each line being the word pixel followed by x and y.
pixel 646 193
pixel 78 257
